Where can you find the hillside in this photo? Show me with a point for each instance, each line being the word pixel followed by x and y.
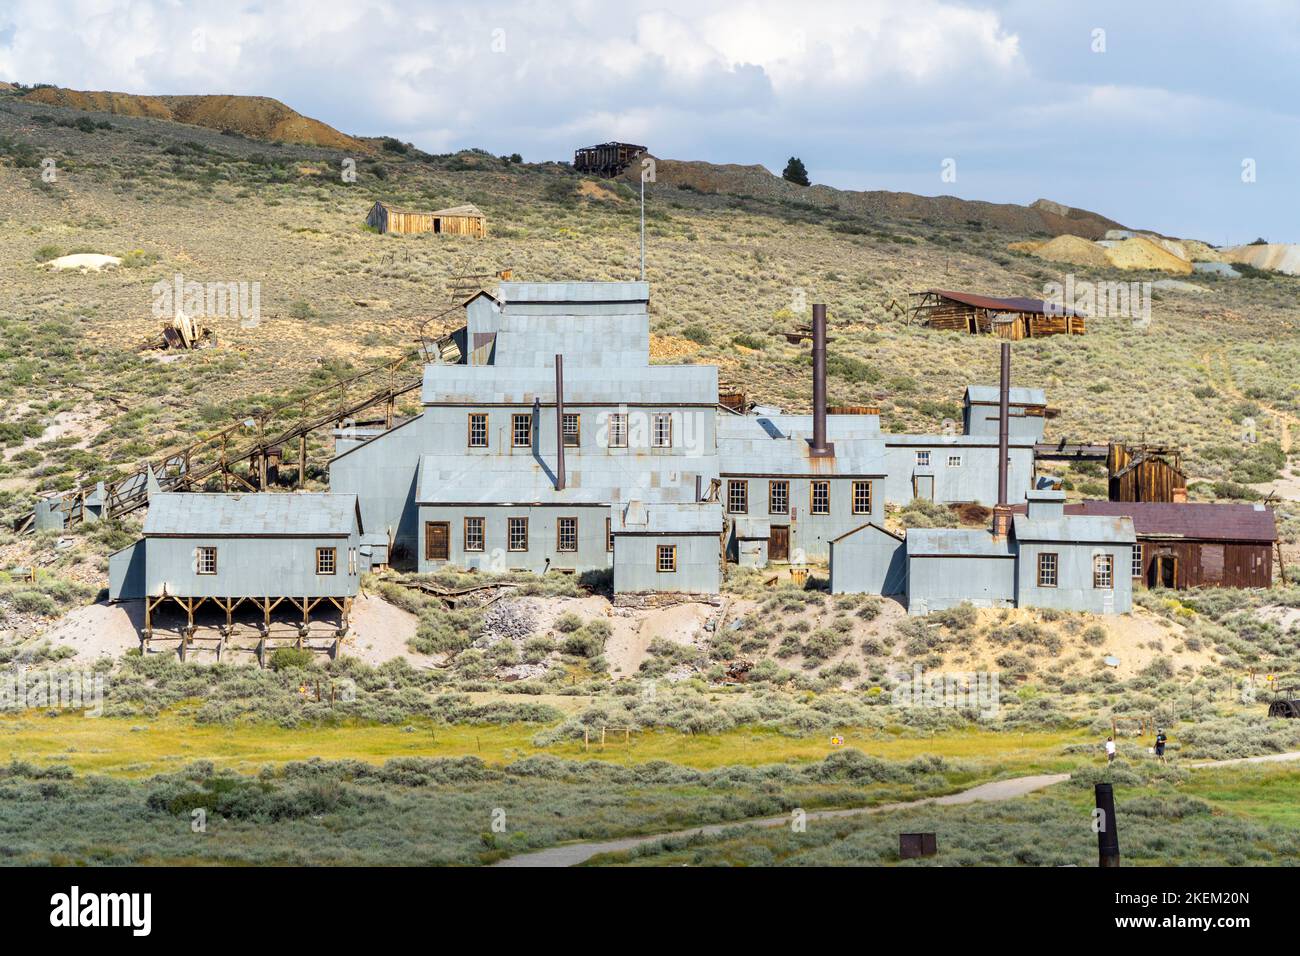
pixel 257 117
pixel 1043 216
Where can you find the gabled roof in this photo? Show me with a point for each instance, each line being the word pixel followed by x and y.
pixel 863 527
pixel 468 210
pixel 666 517
pixel 956 543
pixel 266 514
pixel 564 292
pixel 988 395
pixel 1012 304
pixel 1197 521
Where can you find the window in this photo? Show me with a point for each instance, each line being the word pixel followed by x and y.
pixel 1047 570
pixel 1103 571
pixel 478 430
pixel 207 563
pixel 1139 560
pixel 517 534
pixel 326 560
pixel 862 497
pixel 521 430
pixel 778 497
pixel 954 461
pixel 821 498
pixel 566 534
pixel 474 534
pixel 663 431
pixel 618 430
pixel 738 497
pixel 923 459
pixel 609 535
pixel 352 560
pixel 571 430
pixel 666 557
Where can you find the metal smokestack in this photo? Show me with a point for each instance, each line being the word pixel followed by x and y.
pixel 1002 512
pixel 820 447
pixel 559 423
pixel 1004 422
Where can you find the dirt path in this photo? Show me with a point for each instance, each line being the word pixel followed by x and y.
pixel 571 854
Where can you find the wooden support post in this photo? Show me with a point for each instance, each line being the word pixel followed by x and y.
pixel 302 459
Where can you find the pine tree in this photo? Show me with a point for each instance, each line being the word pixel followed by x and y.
pixel 795 172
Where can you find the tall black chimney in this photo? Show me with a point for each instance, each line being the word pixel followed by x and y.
pixel 820 448
pixel 1108 832
pixel 1002 513
pixel 559 423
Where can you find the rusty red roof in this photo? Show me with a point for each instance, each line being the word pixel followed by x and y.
pixel 1198 521
pixel 1014 304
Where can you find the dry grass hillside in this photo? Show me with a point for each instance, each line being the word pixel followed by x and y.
pixel 258 117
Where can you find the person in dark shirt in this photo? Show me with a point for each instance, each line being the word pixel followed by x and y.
pixel 1160 745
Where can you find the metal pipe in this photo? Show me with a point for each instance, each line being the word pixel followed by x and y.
pixel 820 448
pixel 559 423
pixel 1107 832
pixel 1004 422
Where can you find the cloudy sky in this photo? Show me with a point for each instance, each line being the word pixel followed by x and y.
pixel 1153 112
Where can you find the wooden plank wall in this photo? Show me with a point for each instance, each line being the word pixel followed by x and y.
pixel 1213 563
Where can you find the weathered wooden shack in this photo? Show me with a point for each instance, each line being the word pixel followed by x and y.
pixel 1145 473
pixel 466 220
pixel 607 159
pixel 1008 318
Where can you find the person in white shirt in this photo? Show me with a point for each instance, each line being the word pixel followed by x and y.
pixel 1110 750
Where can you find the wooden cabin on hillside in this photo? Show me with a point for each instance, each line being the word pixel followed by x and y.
pixel 1146 473
pixel 466 220
pixel 1013 318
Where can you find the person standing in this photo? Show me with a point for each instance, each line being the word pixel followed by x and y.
pixel 1110 750
pixel 1161 739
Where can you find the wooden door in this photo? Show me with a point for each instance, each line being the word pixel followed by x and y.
pixel 437 540
pixel 925 487
pixel 778 543
pixel 1164 571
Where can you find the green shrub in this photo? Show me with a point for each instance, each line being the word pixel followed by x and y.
pixel 288 658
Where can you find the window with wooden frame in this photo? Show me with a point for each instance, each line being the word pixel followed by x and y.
pixel 517 534
pixel 1103 571
pixel 954 461
pixel 609 535
pixel 572 429
pixel 820 495
pixel 566 534
pixel 521 431
pixel 326 560
pixel 207 561
pixel 1139 559
pixel 778 497
pixel 662 435
pixel 666 558
pixel 923 459
pixel 1047 564
pixel 617 430
pixel 474 536
pixel 738 497
pixel 478 433
pixel 862 497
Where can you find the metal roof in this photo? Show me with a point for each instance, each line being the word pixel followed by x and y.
pixel 863 527
pixel 502 385
pixel 778 445
pixel 1075 529
pixel 596 479
pixel 562 292
pixel 666 517
pixel 988 395
pixel 1199 521
pixel 1012 304
pixel 956 543
pixel 284 515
